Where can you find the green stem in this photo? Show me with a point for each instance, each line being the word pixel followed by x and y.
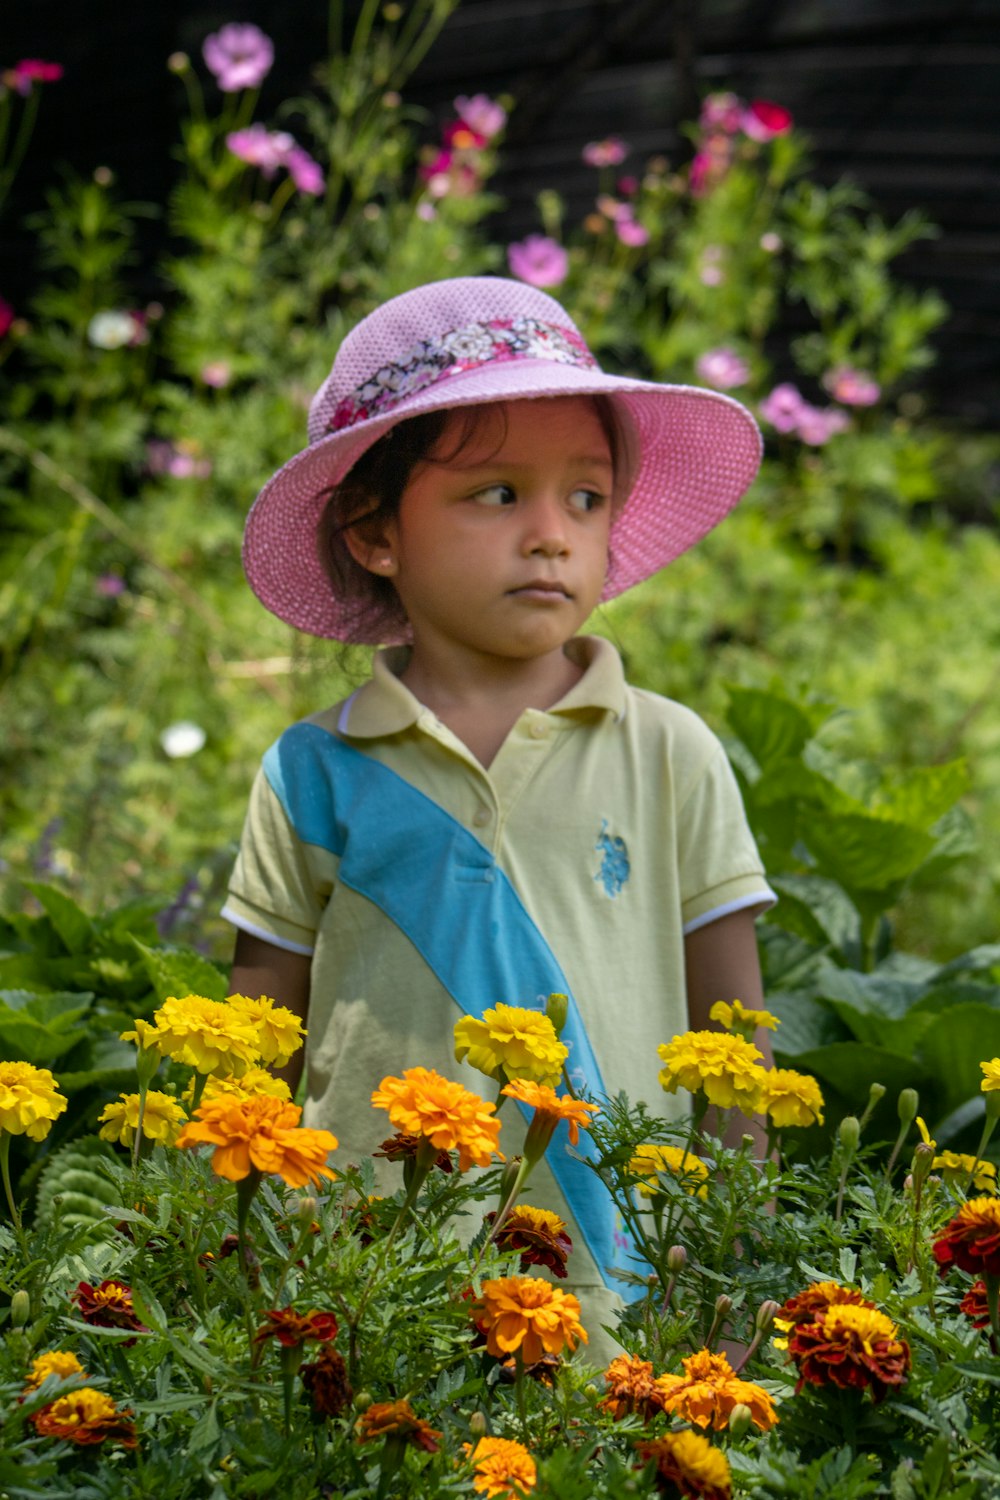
pixel 8 1189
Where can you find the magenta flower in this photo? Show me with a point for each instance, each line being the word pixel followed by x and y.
pixel 32 70
pixel 852 387
pixel 610 152
pixel 306 173
pixel 217 373
pixel 628 186
pixel 710 269
pixel 762 120
pixel 109 585
pixel 260 147
pixel 482 114
pixel 238 55
pixel 722 112
pixel 180 462
pixel 722 368
pixel 782 408
pixel 629 231
pixel 538 260
pixel 6 316
pixel 816 426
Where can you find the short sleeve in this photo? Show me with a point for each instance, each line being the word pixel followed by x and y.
pixel 277 890
pixel 720 868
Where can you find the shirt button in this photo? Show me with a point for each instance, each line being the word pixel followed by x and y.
pixel 538 730
pixel 481 817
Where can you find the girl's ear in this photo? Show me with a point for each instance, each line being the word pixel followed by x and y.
pixel 372 546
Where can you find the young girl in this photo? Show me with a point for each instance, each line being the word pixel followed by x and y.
pixel 496 814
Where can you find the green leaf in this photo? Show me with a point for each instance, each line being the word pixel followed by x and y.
pixel 851 1067
pixel 922 796
pixel 954 1045
pixel 819 911
pixel 71 923
pixel 182 971
pixel 40 1028
pixel 864 853
pixel 805 1025
pixel 772 727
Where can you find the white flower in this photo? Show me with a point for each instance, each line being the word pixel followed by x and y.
pixel 182 739
pixel 112 329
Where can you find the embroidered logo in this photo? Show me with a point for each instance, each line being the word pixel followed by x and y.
pixel 615 868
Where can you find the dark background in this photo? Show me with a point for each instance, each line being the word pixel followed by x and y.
pixel 902 95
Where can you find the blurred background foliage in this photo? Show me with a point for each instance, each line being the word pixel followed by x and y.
pixel 139 679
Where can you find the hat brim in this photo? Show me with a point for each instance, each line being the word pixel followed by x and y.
pixel 697 451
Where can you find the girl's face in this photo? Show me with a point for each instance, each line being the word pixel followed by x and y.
pixel 501 551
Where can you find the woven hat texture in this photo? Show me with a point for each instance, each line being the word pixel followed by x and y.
pixel 478 339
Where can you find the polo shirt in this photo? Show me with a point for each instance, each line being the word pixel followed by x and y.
pixel 615 817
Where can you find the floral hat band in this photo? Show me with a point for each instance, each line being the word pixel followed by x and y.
pixel 453 353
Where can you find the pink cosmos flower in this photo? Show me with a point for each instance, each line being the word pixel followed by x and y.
pixel 426 211
pixel 538 260
pixel 610 152
pixel 6 316
pixel 710 269
pixel 238 55
pixel 771 242
pixel 260 147
pixel 782 408
pixel 852 387
pixel 710 163
pixel 482 114
pixel 306 173
pixel 722 368
pixel 32 70
pixel 217 373
pixel 762 120
pixel 458 136
pixel 630 232
pixel 722 112
pixel 109 585
pixel 816 426
pixel 180 463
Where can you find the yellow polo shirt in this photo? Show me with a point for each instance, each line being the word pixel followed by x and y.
pixel 617 819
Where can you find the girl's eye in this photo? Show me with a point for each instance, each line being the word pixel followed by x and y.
pixel 495 494
pixel 586 499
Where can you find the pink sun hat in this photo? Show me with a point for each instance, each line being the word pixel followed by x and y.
pixel 473 339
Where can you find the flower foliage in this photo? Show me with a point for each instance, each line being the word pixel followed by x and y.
pixel 511 1042
pixel 650 1162
pixel 59 1362
pixel 260 1134
pixel 107 1305
pixel 292 1329
pixel 632 1388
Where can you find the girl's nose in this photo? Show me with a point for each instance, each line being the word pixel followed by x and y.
pixel 545 532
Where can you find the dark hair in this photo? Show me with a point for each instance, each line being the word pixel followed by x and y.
pixel 370 493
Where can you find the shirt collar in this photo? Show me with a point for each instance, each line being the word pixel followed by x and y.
pixel 384 705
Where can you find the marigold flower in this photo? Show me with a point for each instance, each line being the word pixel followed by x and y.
pixel 971 1240
pixel 293 1329
pixel 255 1080
pixel 108 1305
pixel 991 1075
pixel 688 1464
pixel 708 1391
pixel 975 1305
pixel 527 1314
pixel 511 1042
pixel 29 1100
pixel 279 1030
pixel 739 1017
pixel 387 1419
pixel 650 1161
pixel 807 1305
pixel 727 1068
pixel 632 1388
pixel 162 1119
pixel 205 1034
pixel 86 1417
pixel 325 1378
pixel 401 1147
pixel 260 1134
pixel 850 1346
pixel 61 1362
pixel 550 1108
pixel 959 1167
pixel 791 1098
pixel 499 1465
pixel 539 1235
pixel 447 1115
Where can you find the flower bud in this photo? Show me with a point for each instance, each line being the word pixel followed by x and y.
pixel 557 1009
pixel 850 1132
pixel 723 1305
pixel 104 177
pixel 20 1308
pixel 477 1424
pixel 362 1400
pixel 739 1420
pixel 179 62
pixel 305 1210
pixel 766 1314
pixel 875 1094
pixel 923 1160
pixel 909 1103
pixel 676 1259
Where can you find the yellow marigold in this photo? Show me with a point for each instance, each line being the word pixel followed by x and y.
pixel 958 1167
pixel 279 1030
pixel 255 1080
pixel 650 1160
pixel 260 1134
pixel 424 1103
pixel 709 1389
pixel 205 1034
pixel 550 1109
pixel 727 1068
pixel 688 1464
pixel 61 1362
pixel 527 1314
pixel 29 1100
pixel 739 1017
pixel 511 1042
pixel 991 1075
pixel 791 1098
pixel 499 1465
pixel 161 1119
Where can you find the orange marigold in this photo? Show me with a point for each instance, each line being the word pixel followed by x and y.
pixel 632 1388
pixel 526 1314
pixel 688 1464
pixel 850 1346
pixel 260 1134
pixel 709 1389
pixel 396 1419
pixel 85 1417
pixel 550 1109
pixel 971 1240
pixel 450 1117
pixel 499 1465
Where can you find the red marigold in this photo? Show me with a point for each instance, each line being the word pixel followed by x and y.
pixel 86 1417
pixel 688 1464
pixel 107 1306
pixel 292 1329
pixel 971 1240
pixel 401 1147
pixel 386 1419
pixel 975 1305
pixel 539 1235
pixel 850 1346
pixel 325 1378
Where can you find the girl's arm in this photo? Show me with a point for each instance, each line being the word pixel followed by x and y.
pixel 259 968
